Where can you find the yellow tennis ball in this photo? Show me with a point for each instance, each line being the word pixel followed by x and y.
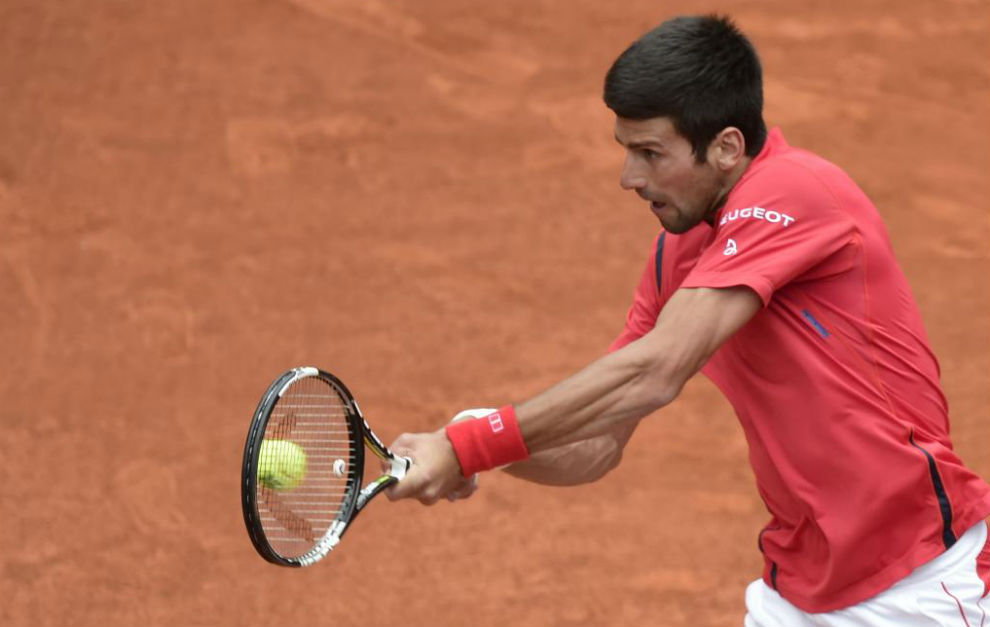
pixel 281 464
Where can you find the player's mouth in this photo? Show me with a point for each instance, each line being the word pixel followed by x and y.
pixel 657 207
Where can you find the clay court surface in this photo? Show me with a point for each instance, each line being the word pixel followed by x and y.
pixel 421 196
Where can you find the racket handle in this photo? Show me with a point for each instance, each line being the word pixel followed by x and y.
pixel 400 466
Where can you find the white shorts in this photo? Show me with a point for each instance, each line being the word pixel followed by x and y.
pixel 945 591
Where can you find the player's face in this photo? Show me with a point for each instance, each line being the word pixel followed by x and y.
pixel 663 170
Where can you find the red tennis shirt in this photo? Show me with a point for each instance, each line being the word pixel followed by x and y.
pixel 833 380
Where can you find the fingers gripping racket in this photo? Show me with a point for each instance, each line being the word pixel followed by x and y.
pixel 304 465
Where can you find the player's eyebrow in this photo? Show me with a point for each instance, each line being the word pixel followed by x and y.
pixel 644 143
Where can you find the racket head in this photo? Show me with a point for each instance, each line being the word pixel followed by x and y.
pixel 297 523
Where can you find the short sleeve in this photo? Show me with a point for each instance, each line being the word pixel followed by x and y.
pixel 776 229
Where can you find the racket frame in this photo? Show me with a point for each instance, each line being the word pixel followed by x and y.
pixel 356 497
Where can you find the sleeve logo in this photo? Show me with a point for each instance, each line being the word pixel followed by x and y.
pixel 730 248
pixel 758 213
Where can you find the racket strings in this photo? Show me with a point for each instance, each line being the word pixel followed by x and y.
pixel 312 415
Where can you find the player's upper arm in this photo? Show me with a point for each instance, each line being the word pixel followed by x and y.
pixel 693 324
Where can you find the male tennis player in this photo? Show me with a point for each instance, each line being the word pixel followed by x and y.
pixel 774 276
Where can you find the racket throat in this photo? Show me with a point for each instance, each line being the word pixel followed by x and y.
pixel 398 469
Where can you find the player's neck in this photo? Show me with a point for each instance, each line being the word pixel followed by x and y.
pixel 730 182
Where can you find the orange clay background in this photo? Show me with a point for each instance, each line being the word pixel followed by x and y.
pixel 421 196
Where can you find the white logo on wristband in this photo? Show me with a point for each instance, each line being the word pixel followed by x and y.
pixel 495 422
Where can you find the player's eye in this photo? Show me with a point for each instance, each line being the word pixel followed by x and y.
pixel 650 155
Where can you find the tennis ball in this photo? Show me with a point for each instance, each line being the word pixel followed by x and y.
pixel 281 464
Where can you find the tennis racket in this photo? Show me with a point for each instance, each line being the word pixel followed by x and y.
pixel 301 483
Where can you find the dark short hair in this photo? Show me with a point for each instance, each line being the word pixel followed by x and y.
pixel 701 72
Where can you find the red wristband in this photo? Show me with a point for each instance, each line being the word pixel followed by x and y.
pixel 488 442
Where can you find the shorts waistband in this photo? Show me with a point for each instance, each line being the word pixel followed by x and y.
pixel 964 551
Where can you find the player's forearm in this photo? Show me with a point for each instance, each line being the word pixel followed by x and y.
pixel 621 387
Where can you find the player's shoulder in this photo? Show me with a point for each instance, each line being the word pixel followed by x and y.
pixel 784 164
pixel 796 171
pixel 798 182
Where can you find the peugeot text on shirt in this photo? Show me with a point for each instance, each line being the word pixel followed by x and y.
pixel 759 213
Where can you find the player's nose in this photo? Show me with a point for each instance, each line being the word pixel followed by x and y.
pixel 632 177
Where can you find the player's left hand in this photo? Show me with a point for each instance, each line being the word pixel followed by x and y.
pixel 435 472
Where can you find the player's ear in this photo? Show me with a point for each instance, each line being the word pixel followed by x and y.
pixel 727 149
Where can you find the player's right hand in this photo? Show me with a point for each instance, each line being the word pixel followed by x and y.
pixel 410 445
pixel 434 473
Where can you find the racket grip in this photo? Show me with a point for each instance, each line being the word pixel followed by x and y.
pixel 400 466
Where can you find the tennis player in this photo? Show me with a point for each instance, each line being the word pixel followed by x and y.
pixel 774 276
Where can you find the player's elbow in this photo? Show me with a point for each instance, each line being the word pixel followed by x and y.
pixel 658 386
pixel 672 386
pixel 678 347
pixel 659 378
pixel 660 393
